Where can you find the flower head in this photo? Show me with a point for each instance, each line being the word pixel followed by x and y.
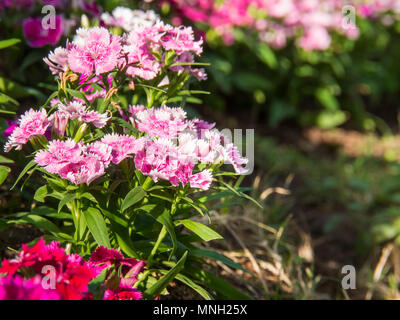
pixel 37 36
pixel 94 50
pixel 32 123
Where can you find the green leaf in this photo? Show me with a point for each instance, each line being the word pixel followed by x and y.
pixel 67 198
pixel 166 220
pixel 5 160
pixel 3 224
pixel 200 229
pixel 31 164
pixel 4 171
pixel 94 286
pixel 39 222
pixel 266 55
pixel 217 256
pixel 133 196
pixel 8 43
pixel 223 288
pixel 41 193
pixel 186 280
pixel 124 240
pixel 77 94
pixel 97 226
pixel 161 284
pixel 5 99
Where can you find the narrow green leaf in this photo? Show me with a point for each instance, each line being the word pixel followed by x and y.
pixel 204 253
pixel 186 280
pixel 8 43
pixel 4 171
pixel 97 226
pixel 161 284
pixel 5 160
pixel 67 198
pixel 31 164
pixel 166 220
pixel 204 232
pixel 133 196
pixel 39 222
pixel 224 289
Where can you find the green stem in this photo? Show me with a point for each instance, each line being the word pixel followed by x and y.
pixel 144 276
pixel 148 183
pixel 161 237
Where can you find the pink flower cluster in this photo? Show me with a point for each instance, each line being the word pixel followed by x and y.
pixel 140 53
pixel 83 163
pixel 276 21
pixel 174 145
pixel 170 149
pixel 36 123
pixel 72 274
pixel 76 162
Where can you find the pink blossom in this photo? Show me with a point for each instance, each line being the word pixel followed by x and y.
pixel 74 161
pixel 142 62
pixel 37 36
pixel 122 146
pixel 58 154
pixel 232 155
pixel 161 122
pixel 201 180
pixel 316 38
pixel 136 108
pixel 32 123
pixel 57 60
pixel 180 39
pixel 76 110
pixel 88 169
pixel 94 50
pixel 101 150
pixel 161 159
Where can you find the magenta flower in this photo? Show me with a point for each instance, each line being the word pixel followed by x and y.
pixel 32 123
pixel 72 273
pixel 18 288
pixel 123 293
pixel 37 36
pixel 94 50
pixel 11 126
